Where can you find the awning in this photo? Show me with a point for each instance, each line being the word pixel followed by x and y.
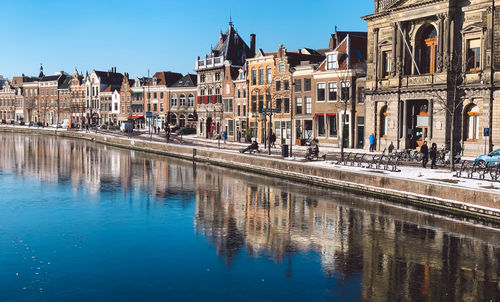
pixel 135 117
pixel 331 114
pixel 319 114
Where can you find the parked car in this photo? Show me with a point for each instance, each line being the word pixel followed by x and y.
pixel 490 159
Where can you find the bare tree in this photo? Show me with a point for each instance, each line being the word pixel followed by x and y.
pixel 452 100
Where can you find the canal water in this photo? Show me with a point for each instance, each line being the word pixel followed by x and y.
pixel 85 222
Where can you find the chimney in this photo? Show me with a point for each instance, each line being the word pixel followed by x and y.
pixel 252 44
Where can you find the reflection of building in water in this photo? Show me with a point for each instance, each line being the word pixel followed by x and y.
pixel 395 258
pixel 94 167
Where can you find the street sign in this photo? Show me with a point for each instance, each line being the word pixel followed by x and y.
pixel 486 132
pixel 270 110
pixel 149 114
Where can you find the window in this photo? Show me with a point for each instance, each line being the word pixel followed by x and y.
pixel 155 95
pixel 217 76
pixel 191 100
pixel 182 100
pixel 116 106
pixel 471 123
pixel 278 85
pixel 308 105
pixel 261 103
pixel 282 67
pixel 286 105
pixel 261 76
pixel 244 110
pixel 217 91
pixel 332 91
pixel 173 101
pixel 254 104
pixel 162 107
pixel 361 95
pixel 202 78
pixel 228 105
pixel 428 45
pixel 383 122
pixel 332 125
pixel 298 85
pixel 155 107
pixel 331 61
pixel 286 85
pixel 320 92
pixel 298 105
pixel 474 55
pixel 238 110
pixel 254 77
pixel 278 105
pixel 386 63
pixel 320 125
pixel 268 101
pixel 228 89
pixel 244 93
pixel 307 84
pixel 269 76
pixel 230 126
pixel 149 95
pixel 344 91
pixel 239 93
pixel 209 91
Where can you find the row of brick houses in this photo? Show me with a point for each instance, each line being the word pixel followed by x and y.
pixel 297 95
pixel 424 70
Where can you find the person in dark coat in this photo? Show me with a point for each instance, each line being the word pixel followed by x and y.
pixel 253 146
pixel 433 155
pixel 425 152
pixel 273 140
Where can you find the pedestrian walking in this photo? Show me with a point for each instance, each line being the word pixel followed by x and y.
pixel 224 136
pixel 372 142
pixel 425 154
pixel 391 148
pixel 238 136
pixel 433 155
pixel 273 140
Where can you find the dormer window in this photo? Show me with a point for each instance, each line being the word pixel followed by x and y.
pixel 332 61
pixel 155 81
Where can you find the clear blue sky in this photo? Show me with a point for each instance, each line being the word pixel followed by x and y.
pixel 136 35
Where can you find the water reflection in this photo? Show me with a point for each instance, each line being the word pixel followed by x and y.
pixel 388 252
pixel 402 260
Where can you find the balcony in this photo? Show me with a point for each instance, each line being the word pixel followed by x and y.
pixel 210 63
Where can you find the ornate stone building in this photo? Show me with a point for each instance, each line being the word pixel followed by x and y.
pixel 211 75
pixel 430 63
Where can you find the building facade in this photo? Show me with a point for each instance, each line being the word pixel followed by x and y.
pixel 211 74
pixel 431 74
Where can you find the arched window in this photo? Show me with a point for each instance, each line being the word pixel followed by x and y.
pixel 182 100
pixel 173 101
pixel 383 122
pixel 173 119
pixel 427 44
pixel 471 122
pixel 191 100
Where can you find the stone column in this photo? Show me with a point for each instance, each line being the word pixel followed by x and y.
pixel 399 49
pixel 375 53
pixel 394 42
pixel 440 43
pixel 446 42
pixel 405 127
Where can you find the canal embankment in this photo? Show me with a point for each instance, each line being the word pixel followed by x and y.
pixel 470 203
